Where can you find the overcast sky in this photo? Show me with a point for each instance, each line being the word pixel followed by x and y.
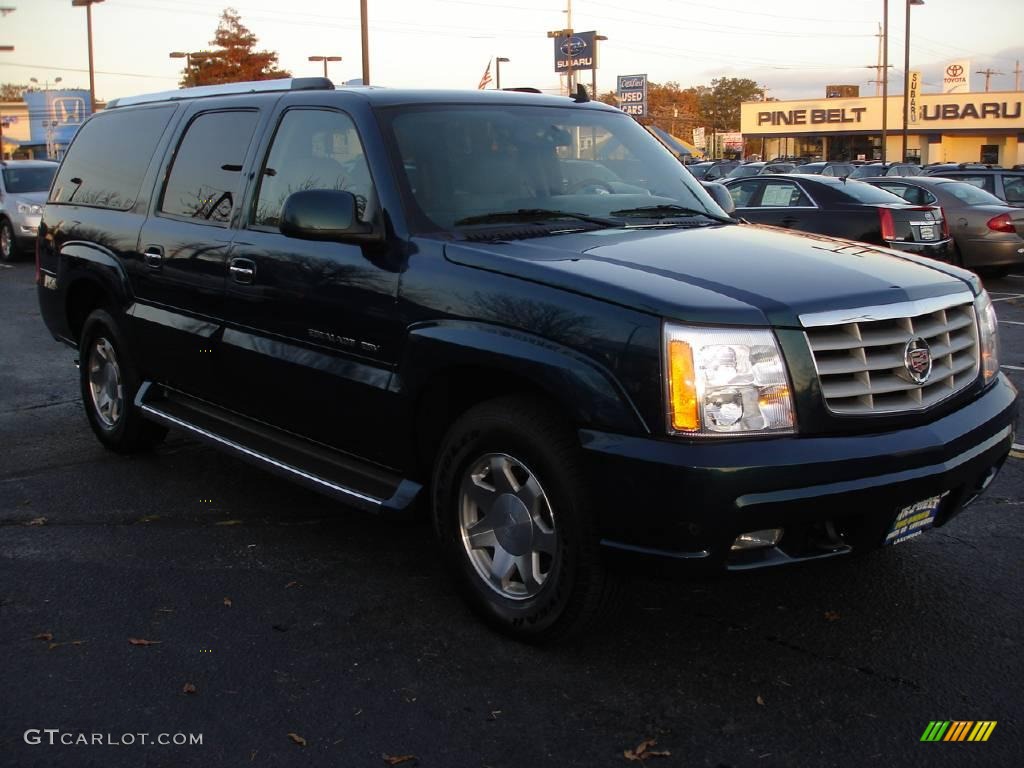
pixel 794 47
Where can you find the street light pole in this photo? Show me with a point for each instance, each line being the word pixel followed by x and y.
pixel 325 59
pixel 906 77
pixel 88 22
pixel 497 71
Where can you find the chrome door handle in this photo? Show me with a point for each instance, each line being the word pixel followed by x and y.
pixel 154 257
pixel 242 271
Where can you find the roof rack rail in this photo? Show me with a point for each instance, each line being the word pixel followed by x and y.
pixel 228 89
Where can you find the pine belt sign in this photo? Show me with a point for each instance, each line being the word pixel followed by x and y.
pixel 632 93
pixel 931 111
pixel 578 51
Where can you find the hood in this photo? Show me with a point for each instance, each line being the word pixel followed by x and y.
pixel 732 274
pixel 28 197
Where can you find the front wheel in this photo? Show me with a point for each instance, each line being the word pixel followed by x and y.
pixel 8 245
pixel 109 381
pixel 513 514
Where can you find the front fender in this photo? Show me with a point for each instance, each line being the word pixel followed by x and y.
pixel 588 390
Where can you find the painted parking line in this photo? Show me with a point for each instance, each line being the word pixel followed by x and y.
pixel 1009 297
pixel 1017 451
pixel 1013 367
pixel 1011 322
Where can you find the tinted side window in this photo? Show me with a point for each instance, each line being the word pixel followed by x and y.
pixel 312 149
pixel 981 182
pixel 744 192
pixel 1013 188
pixel 206 172
pixel 107 160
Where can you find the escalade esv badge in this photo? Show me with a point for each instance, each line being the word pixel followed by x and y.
pixel 918 359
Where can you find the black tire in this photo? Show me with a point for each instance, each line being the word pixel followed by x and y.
pixel 577 588
pixel 122 429
pixel 993 272
pixel 8 252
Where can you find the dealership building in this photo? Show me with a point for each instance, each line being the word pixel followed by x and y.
pixel 943 127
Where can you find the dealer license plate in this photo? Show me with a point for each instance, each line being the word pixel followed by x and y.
pixel 928 232
pixel 913 520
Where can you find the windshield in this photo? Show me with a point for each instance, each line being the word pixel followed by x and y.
pixel 970 194
pixel 463 164
pixel 863 171
pixel 28 179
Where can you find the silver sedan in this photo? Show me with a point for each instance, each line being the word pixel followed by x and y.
pixel 989 234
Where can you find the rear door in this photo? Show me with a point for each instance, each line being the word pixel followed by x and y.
pixel 184 245
pixel 781 204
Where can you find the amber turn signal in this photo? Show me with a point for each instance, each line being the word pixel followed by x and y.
pixel 682 387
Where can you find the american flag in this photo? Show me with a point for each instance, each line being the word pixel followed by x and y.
pixel 486 79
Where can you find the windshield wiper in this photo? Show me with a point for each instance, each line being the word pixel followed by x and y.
pixel 534 214
pixel 670 210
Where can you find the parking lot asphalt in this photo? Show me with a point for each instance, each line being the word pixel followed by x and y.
pixel 317 635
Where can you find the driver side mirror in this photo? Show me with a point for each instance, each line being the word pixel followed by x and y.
pixel 325 214
pixel 721 195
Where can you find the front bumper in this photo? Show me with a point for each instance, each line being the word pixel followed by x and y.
pixel 688 501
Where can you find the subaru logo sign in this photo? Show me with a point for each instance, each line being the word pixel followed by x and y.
pixel 573 46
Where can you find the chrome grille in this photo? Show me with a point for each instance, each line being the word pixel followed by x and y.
pixel 859 354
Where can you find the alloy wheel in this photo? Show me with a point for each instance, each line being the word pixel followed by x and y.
pixel 105 383
pixel 507 525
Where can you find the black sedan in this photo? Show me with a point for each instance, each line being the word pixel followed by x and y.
pixel 988 234
pixel 842 208
pixel 759 168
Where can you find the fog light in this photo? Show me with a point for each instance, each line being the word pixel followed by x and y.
pixel 757 539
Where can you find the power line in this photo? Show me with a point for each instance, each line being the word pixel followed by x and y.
pixel 75 69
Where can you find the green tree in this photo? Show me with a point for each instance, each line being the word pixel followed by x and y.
pixel 233 57
pixel 720 104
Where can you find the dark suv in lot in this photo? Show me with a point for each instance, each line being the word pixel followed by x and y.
pixel 399 297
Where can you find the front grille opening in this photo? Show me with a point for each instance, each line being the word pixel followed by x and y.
pixel 862 369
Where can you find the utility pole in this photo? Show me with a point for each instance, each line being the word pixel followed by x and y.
pixel 365 31
pixel 987 72
pixel 878 64
pixel 1016 76
pixel 885 75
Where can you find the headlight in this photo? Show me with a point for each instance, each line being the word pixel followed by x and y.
pixel 988 329
pixel 725 381
pixel 30 209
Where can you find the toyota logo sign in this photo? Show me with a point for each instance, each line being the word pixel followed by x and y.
pixel 954 70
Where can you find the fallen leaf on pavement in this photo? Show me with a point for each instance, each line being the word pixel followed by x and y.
pixel 832 615
pixel 228 522
pixel 760 700
pixel 141 641
pixel 227 602
pixel 47 636
pixel 398 759
pixel 188 688
pixel 297 739
pixel 291 584
pixel 148 518
pixel 640 751
pixel 37 521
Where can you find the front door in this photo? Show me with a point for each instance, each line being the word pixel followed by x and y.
pixel 184 246
pixel 313 334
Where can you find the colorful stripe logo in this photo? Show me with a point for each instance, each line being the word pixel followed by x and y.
pixel 958 730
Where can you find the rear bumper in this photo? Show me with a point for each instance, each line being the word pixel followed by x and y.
pixel 992 251
pixel 687 502
pixel 941 250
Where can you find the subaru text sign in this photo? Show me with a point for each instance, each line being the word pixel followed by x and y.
pixel 632 92
pixel 578 51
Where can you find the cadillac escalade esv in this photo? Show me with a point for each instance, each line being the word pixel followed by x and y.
pixel 521 312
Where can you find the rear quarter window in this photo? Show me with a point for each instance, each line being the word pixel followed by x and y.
pixel 865 193
pixel 108 158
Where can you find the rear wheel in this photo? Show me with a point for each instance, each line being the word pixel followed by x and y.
pixel 8 245
pixel 109 381
pixel 513 514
